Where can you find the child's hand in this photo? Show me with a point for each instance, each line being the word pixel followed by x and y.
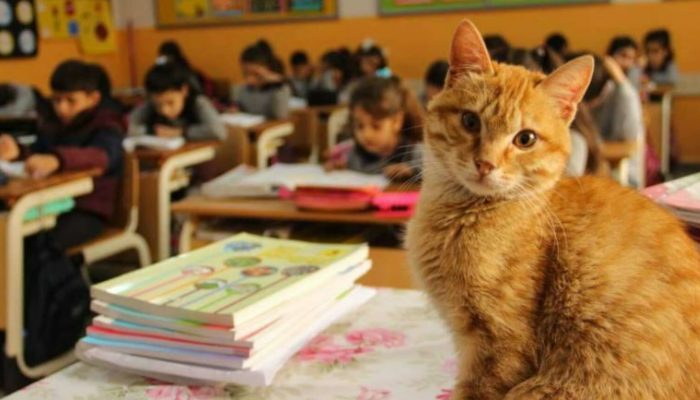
pixel 398 171
pixel 335 164
pixel 42 165
pixel 9 150
pixel 267 74
pixel 168 132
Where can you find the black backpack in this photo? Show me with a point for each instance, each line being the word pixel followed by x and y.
pixel 56 301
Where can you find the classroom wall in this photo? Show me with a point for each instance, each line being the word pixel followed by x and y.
pixel 414 41
pixel 216 49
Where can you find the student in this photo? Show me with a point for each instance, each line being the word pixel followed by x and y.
pixel 617 110
pixel 265 91
pixel 80 134
pixel 660 68
pixel 435 79
pixel 558 43
pixel 17 101
pixel 498 47
pixel 386 121
pixel 332 84
pixel 174 109
pixel 624 50
pixel 170 51
pixel 302 73
pixel 105 87
pixel 372 61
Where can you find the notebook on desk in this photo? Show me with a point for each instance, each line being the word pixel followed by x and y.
pixel 246 181
pixel 242 120
pixel 153 142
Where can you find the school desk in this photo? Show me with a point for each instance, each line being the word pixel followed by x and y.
pixel 21 196
pixel 392 347
pixel 156 187
pixel 260 142
pixel 392 273
pixel 311 128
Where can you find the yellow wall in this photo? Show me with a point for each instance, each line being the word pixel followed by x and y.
pixel 412 41
pixel 37 71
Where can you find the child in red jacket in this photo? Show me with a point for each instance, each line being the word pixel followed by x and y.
pixel 79 134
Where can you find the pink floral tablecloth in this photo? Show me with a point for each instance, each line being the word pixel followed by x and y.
pixel 393 347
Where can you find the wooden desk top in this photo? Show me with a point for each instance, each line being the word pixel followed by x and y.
pixel 162 155
pixel 17 188
pixel 275 209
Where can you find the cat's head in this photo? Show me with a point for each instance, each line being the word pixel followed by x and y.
pixel 497 129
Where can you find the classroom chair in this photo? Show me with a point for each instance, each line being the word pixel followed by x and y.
pixel 272 138
pixel 122 235
pixel 336 122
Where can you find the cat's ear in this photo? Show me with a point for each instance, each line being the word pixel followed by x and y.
pixel 567 85
pixel 468 52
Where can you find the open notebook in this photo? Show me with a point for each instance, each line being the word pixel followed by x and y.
pixel 153 142
pixel 245 181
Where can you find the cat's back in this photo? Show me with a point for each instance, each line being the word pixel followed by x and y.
pixel 596 208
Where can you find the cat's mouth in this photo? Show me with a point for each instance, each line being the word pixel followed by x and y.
pixel 488 185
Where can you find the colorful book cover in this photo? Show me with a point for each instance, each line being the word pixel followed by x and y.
pixel 261 374
pixel 260 330
pixel 229 282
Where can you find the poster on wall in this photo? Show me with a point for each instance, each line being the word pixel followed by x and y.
pixel 18 32
pixel 171 13
pixel 96 29
pixel 57 18
pixel 391 7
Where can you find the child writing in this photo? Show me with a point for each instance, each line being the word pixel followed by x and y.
pixel 660 67
pixel 174 109
pixel 265 91
pixel 79 134
pixel 386 120
pixel 302 73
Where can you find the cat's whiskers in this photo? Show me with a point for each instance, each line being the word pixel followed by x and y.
pixel 553 219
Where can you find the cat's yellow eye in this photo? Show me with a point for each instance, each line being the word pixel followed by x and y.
pixel 525 139
pixel 471 122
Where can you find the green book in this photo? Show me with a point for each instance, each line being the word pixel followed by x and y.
pixel 231 281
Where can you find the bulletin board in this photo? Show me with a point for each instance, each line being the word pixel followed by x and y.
pixel 394 7
pixel 18 32
pixel 174 13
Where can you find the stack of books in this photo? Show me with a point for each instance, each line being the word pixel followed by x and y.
pixel 232 312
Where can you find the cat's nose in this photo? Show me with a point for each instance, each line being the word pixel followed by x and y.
pixel 484 167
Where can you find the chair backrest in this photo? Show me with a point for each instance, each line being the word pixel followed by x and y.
pixel 126 217
pixel 336 122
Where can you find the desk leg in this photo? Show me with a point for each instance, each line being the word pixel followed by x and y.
pixel 148 211
pixel 3 269
pixel 188 229
pixel 666 103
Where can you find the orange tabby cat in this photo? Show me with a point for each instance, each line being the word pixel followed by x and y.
pixel 554 288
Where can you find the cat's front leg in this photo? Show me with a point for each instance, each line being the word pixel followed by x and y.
pixel 537 389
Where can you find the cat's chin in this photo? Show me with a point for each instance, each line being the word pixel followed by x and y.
pixel 486 189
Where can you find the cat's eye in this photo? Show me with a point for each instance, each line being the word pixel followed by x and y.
pixel 471 122
pixel 525 139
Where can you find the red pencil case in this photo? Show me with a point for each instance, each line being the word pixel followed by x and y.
pixel 333 199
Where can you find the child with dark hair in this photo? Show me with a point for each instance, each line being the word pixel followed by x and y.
pixel 624 50
pixel 105 88
pixel 498 47
pixel 386 121
pixel 372 61
pixel 332 85
pixel 660 68
pixel 79 134
pixel 265 91
pixel 170 51
pixel 174 109
pixel 558 43
pixel 302 73
pixel 18 101
pixel 435 79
